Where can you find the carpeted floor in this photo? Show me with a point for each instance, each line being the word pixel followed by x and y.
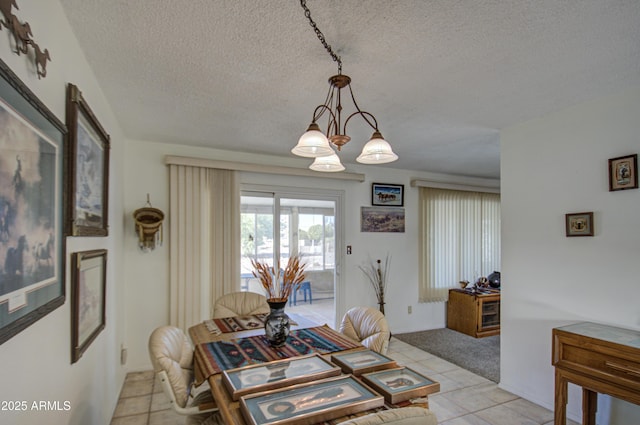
pixel 478 355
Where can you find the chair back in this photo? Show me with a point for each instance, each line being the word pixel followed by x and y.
pixel 367 326
pixel 240 304
pixel 172 359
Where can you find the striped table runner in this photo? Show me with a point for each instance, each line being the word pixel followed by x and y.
pixel 214 357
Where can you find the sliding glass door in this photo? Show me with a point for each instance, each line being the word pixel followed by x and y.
pixel 276 226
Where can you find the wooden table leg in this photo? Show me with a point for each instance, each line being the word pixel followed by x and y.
pixel 560 408
pixel 589 406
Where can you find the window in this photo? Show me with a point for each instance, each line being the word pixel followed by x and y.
pixel 459 239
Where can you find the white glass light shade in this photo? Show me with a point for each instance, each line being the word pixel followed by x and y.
pixel 313 143
pixel 327 164
pixel 377 151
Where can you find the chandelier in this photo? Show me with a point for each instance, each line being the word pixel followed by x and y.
pixel 316 144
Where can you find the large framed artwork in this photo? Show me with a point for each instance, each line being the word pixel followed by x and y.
pixel 309 403
pixel 382 219
pixel 88 290
pixel 88 169
pixel 31 207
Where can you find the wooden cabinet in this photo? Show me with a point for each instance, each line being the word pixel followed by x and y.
pixel 601 359
pixel 475 313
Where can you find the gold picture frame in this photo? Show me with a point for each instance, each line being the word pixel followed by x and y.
pixel 311 403
pixel 401 384
pixel 362 361
pixel 281 373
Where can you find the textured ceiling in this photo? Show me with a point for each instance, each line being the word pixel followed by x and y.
pixel 442 77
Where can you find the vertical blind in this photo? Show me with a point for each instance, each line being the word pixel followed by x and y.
pixel 459 239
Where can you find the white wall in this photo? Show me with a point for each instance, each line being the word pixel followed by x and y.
pixel 36 363
pixel 147 274
pixel 552 166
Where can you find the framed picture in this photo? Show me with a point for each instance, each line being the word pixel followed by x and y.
pixel 388 195
pixel 310 403
pixel 31 207
pixel 362 361
pixel 278 374
pixel 382 219
pixel 88 289
pixel 579 224
pixel 623 173
pixel 397 385
pixel 88 169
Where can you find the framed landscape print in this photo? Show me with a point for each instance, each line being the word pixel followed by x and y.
pixel 397 385
pixel 579 224
pixel 88 290
pixel 31 207
pixel 388 195
pixel 88 169
pixel 623 173
pixel 310 403
pixel 277 374
pixel 382 219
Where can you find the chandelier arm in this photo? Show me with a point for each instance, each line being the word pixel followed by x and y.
pixel 362 113
pixel 332 120
pixel 320 36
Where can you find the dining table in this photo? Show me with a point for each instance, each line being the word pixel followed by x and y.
pixel 219 349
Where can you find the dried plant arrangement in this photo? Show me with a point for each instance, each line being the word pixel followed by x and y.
pixel 377 274
pixel 279 283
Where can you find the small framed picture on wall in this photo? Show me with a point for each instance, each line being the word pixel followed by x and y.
pixel 579 224
pixel 623 173
pixel 388 195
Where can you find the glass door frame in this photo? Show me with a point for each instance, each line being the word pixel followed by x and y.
pixel 338 197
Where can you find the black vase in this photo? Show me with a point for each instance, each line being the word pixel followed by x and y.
pixel 276 324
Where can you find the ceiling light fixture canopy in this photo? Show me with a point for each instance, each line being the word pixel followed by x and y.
pixel 316 144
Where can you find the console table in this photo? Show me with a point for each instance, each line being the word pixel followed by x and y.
pixel 599 358
pixel 474 312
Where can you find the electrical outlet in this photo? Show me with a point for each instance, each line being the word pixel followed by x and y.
pixel 409 309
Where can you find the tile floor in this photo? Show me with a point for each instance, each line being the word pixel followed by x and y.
pixel 464 398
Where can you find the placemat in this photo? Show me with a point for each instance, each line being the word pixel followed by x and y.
pixel 214 357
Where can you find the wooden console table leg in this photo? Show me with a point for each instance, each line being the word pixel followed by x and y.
pixel 560 408
pixel 589 406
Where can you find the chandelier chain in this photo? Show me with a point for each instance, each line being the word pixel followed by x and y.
pixel 326 45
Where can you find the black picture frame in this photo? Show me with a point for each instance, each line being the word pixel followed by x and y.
pixel 89 146
pixel 623 173
pixel 88 298
pixel 32 246
pixel 387 195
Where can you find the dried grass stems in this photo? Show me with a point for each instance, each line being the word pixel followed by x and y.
pixel 377 275
pixel 279 283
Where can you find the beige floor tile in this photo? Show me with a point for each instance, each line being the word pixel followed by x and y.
pixel 530 410
pixel 137 388
pixel 160 401
pixel 501 415
pixel 139 376
pixel 446 384
pixel 417 354
pixel 166 417
pixel 466 378
pixel 132 406
pixel 466 420
pixel 445 409
pixel 479 397
pixel 438 365
pixel 569 422
pixel 131 420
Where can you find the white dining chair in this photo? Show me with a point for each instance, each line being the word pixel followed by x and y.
pixel 367 326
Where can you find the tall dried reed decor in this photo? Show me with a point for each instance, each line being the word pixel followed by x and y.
pixel 377 274
pixel 279 283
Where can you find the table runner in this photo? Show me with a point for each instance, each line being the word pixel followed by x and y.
pixel 238 323
pixel 214 357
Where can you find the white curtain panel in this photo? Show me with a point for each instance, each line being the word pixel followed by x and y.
pixel 459 239
pixel 204 235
